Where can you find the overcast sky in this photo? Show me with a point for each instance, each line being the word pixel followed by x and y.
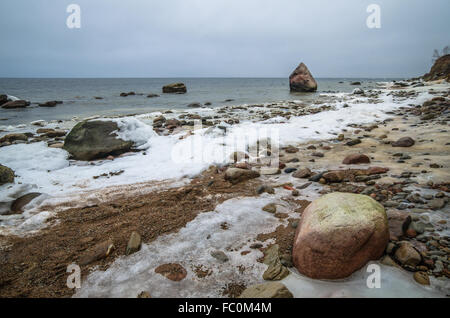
pixel 220 38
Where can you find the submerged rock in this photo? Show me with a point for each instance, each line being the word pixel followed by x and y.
pixel 301 80
pixel 178 88
pixel 90 140
pixel 267 290
pixel 6 175
pixel 338 234
pixel 16 104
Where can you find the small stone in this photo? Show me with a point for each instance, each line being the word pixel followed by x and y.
pixel 271 208
pixel 174 272
pixel 302 173
pixel 144 294
pixel 267 290
pixel 422 278
pixel 220 256
pixel 404 142
pixel 134 244
pixel 406 254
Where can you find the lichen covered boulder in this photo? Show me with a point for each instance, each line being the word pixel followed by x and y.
pixel 95 139
pixel 338 234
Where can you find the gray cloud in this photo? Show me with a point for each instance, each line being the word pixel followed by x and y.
pixel 252 38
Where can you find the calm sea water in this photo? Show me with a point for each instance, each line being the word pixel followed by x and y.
pixel 78 95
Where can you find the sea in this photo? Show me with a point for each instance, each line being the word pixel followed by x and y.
pixel 78 95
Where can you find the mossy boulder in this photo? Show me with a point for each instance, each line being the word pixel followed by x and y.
pixel 338 234
pixel 6 175
pixel 95 139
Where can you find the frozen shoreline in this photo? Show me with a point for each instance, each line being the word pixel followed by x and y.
pixel 49 171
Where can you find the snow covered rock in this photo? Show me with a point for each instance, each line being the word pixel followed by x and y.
pixel 6 175
pixel 338 234
pixel 95 139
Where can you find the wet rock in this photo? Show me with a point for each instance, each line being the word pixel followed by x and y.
pixel 265 188
pixel 302 173
pixel 353 142
pixel 338 234
pixel 422 278
pixel 144 294
pixel 267 290
pixel 98 252
pixel 356 159
pixel 271 208
pixel 290 170
pixel 236 175
pixel 269 171
pixel 387 260
pixel 16 104
pixel 406 254
pixel 90 140
pixel 301 80
pixel 404 142
pixel 437 203
pixel 174 272
pixel 6 175
pixel 134 243
pixel 275 271
pixel 13 137
pixel 152 95
pixel 52 103
pixel 220 256
pixel 399 222
pixel 19 203
pixel 333 176
pixel 178 88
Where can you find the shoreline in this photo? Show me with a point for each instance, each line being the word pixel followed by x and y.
pixel 333 150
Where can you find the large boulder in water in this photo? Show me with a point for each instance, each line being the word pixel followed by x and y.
pixel 95 139
pixel 440 69
pixel 301 80
pixel 178 88
pixel 338 234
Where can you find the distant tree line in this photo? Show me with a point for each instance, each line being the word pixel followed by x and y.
pixel 445 51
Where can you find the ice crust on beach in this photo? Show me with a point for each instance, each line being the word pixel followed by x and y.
pixel 192 245
pixel 39 168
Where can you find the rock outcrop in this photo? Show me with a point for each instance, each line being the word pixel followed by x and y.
pixel 95 139
pixel 178 88
pixel 440 69
pixel 301 80
pixel 338 234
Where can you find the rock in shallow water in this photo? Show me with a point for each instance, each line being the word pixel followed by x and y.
pixel 338 234
pixel 178 88
pixel 301 80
